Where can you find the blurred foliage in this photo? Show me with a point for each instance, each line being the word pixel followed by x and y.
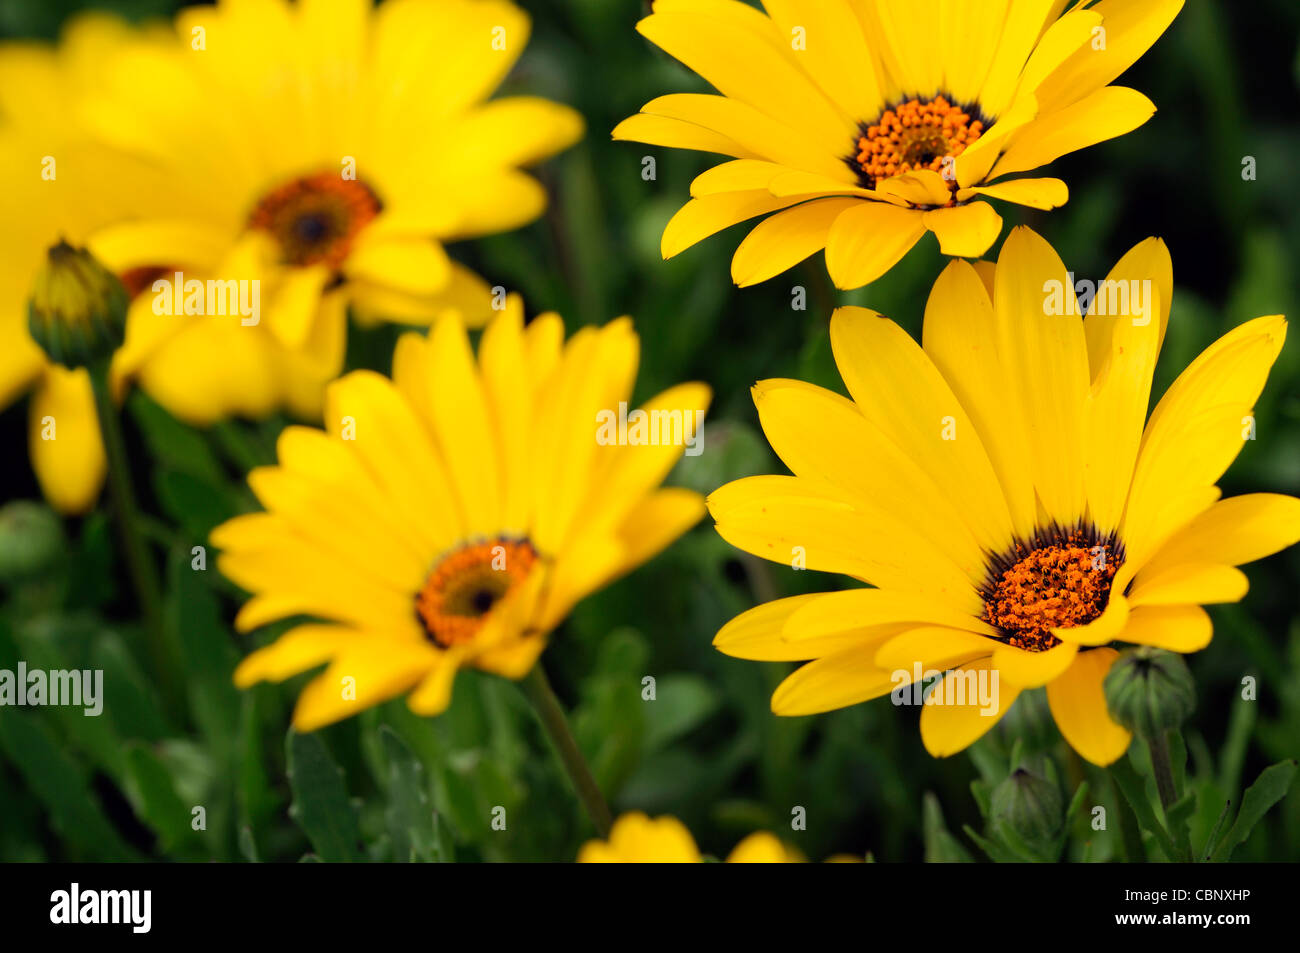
pixel 390 785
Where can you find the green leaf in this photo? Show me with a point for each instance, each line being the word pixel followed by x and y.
pixel 207 655
pixel 195 504
pixel 681 703
pixel 1134 791
pixel 248 846
pixel 1269 788
pixel 320 800
pixel 154 797
pixel 940 846
pixel 171 442
pixel 997 853
pixel 61 785
pixel 411 821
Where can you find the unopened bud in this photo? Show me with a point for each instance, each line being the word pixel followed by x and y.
pixel 1027 811
pixel 77 309
pixel 31 540
pixel 1150 691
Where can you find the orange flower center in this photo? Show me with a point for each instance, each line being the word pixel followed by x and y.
pixel 467 583
pixel 1061 581
pixel 915 134
pixel 314 219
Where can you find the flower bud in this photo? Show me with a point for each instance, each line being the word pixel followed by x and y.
pixel 1150 691
pixel 77 309
pixel 1027 811
pixel 31 540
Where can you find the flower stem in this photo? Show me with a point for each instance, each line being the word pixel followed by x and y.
pixel 1158 745
pixel 139 566
pixel 537 687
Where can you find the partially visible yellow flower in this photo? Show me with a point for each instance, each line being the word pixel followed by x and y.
pixel 638 839
pixel 453 516
pixel 998 490
pixel 329 150
pixel 59 186
pixel 859 125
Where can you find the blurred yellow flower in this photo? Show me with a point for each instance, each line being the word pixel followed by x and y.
pixel 328 150
pixel 998 489
pixel 62 185
pixel 638 839
pixel 454 515
pixel 859 125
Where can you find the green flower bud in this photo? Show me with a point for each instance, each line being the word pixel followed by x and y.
pixel 1027 812
pixel 77 309
pixel 31 540
pixel 1150 691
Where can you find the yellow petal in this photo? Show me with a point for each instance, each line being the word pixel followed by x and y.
pixel 1103 115
pixel 1114 417
pixel 636 839
pixel 676 134
pixel 1195 583
pixel 1185 628
pixel 416 266
pixel 1233 532
pixel 1131 28
pixel 965 230
pixel 705 216
pixel 1047 361
pixel 755 131
pixel 849 609
pixel 899 390
pixel 301 648
pixel 1034 193
pixel 931 647
pixel 369 414
pixel 1078 704
pixel 369 674
pixel 742 62
pixel 462 427
pixel 1105 628
pixel 792 521
pixel 835 681
pixel 1197 430
pixel 821 435
pixel 64 440
pixel 757 633
pixel 1032 669
pixel 761 848
pixel 868 240
pixel 964 707
pixel 781 241
pixel 960 336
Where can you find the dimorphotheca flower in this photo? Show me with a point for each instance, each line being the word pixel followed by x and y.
pixel 859 125
pixel 998 490
pixel 64 185
pixel 328 150
pixel 638 839
pixel 452 516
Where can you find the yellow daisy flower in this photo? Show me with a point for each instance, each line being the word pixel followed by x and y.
pixel 452 516
pixel 328 150
pixel 859 125
pixel 203 369
pixel 638 839
pixel 997 489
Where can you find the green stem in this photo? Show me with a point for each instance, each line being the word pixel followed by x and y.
pixel 538 689
pixel 1134 850
pixel 140 567
pixel 1158 745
